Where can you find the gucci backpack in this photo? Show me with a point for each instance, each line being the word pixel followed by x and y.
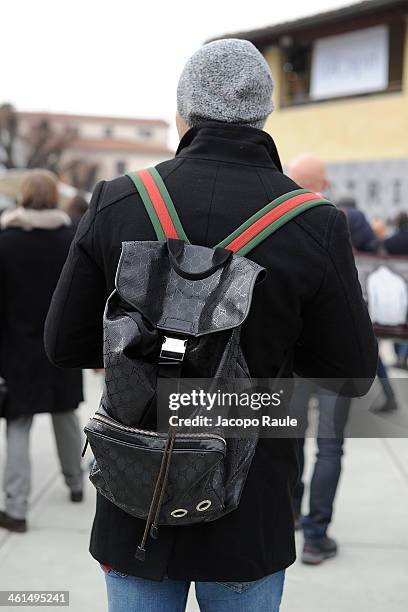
pixel 176 311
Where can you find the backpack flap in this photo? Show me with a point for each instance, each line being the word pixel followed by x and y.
pixel 148 280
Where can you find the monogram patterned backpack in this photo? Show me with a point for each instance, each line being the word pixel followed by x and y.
pixel 176 311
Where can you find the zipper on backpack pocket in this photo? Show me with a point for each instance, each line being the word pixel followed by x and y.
pixel 109 421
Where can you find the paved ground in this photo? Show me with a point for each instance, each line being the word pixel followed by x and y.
pixel 371 524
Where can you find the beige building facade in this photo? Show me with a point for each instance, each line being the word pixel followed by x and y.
pixel 341 91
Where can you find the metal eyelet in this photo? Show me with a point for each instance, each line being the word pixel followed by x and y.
pixel 203 505
pixel 179 512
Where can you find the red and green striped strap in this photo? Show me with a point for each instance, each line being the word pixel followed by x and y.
pixel 158 204
pixel 269 219
pixel 247 236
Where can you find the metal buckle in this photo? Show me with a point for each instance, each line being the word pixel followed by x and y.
pixel 173 349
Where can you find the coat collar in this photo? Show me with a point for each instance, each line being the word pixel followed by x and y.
pixel 232 143
pixel 29 219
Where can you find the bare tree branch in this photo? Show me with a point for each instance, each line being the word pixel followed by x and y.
pixel 8 133
pixel 43 147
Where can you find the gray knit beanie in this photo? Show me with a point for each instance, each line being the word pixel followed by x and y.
pixel 226 80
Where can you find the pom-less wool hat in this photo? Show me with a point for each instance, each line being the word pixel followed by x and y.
pixel 226 80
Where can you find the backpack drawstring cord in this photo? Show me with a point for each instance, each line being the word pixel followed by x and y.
pixel 154 528
pixel 170 366
pixel 158 495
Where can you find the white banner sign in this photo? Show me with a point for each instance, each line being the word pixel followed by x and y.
pixel 350 64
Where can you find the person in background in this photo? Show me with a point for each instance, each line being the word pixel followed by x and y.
pixel 309 171
pixel 379 228
pixel 368 239
pixel 34 244
pixel 76 207
pixel 362 234
pixel 397 244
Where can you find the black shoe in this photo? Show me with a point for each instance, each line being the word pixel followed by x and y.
pixel 389 406
pixel 12 524
pixel 77 496
pixel 401 364
pixel 316 551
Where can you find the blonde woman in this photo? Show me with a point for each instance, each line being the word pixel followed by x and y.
pixel 34 244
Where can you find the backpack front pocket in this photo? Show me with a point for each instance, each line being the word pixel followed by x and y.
pixel 128 463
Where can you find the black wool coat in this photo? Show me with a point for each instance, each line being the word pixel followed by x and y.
pixel 30 265
pixel 397 244
pixel 310 304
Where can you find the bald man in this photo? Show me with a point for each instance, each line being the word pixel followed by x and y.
pixel 309 172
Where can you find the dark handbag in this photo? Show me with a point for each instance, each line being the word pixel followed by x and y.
pixel 3 397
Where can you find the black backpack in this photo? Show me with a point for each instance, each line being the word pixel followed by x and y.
pixel 177 310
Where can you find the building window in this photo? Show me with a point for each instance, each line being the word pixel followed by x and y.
pixel 120 167
pixel 108 131
pixel 296 74
pixel 361 62
pixel 396 191
pixel 145 133
pixel 396 55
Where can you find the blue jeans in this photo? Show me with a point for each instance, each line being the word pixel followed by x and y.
pixel 333 414
pixel 132 594
pixel 401 349
pixel 384 380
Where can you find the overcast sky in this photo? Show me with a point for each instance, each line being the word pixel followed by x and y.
pixel 118 57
